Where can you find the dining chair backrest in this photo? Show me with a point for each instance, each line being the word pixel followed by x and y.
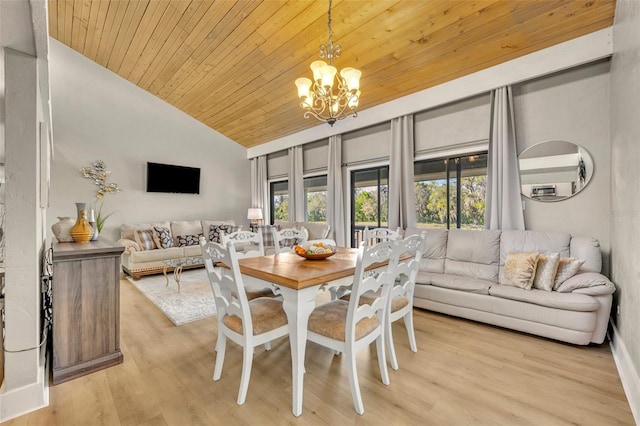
pixel 407 270
pixel 378 235
pixel 250 242
pixel 227 285
pixel 285 239
pixel 363 282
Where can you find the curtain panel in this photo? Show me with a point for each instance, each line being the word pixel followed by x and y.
pixel 296 185
pixel 503 209
pixel 335 195
pixel 260 186
pixel 402 204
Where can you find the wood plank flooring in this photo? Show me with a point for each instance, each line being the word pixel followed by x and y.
pixel 464 373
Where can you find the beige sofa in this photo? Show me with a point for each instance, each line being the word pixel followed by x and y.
pixel 137 262
pixel 462 273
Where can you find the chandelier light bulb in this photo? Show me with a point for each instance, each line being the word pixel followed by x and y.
pixel 352 77
pixel 316 67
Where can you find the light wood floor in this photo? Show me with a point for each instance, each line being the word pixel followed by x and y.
pixel 464 373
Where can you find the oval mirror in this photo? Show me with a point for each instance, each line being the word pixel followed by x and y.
pixel 554 170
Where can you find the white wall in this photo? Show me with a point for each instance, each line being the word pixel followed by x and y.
pixel 97 115
pixel 570 106
pixel 624 215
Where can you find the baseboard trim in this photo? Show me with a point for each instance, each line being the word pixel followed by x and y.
pixel 18 402
pixel 627 371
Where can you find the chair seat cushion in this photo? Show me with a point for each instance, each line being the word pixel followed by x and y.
pixel 369 297
pixel 329 320
pixel 266 314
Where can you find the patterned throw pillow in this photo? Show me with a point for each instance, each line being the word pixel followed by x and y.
pixel 144 238
pixel 567 268
pixel 520 269
pixel 215 231
pixel 162 237
pixel 267 235
pixel 291 242
pixel 188 240
pixel 546 271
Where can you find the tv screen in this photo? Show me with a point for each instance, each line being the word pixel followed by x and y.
pixel 171 178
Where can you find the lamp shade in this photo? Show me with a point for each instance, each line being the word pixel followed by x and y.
pixel 254 214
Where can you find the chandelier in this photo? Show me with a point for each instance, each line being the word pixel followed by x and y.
pixel 331 96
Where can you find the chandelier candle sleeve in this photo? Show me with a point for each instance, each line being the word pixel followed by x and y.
pixel 332 95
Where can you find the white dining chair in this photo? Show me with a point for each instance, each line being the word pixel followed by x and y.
pixel 377 235
pixel 285 239
pixel 247 323
pixel 248 244
pixel 400 301
pixel 349 326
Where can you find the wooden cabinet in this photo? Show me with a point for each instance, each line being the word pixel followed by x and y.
pixel 86 308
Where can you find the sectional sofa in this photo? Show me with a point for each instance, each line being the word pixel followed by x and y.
pixel 462 274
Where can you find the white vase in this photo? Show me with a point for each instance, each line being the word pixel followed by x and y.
pixel 61 229
pixel 92 222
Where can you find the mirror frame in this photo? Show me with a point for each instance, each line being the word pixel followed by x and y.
pixel 584 166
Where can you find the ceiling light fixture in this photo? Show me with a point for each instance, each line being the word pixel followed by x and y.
pixel 323 98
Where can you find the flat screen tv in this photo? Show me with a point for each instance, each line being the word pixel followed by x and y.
pixel 172 178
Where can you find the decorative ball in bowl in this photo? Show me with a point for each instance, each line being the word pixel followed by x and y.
pixel 314 251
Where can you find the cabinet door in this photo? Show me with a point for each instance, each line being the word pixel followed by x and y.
pixel 85 310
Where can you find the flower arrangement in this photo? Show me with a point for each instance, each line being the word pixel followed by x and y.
pixel 98 172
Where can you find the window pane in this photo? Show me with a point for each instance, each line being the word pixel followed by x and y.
pixel 473 191
pixel 370 200
pixel 280 200
pixel 315 198
pixel 432 182
pixel 431 193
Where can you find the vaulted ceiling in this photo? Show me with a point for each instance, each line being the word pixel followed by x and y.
pixel 232 64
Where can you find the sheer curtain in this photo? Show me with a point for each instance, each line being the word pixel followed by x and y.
pixel 296 185
pixel 402 198
pixel 260 186
pixel 335 196
pixel 504 204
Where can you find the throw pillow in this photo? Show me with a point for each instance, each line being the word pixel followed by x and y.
pixel 520 269
pixel 267 235
pixel 567 267
pixel 215 231
pixel 188 240
pixel 546 271
pixel 162 237
pixel 144 238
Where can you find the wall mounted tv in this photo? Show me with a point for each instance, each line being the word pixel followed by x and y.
pixel 171 178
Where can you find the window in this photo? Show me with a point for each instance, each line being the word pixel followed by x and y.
pixel 315 199
pixel 451 192
pixel 369 200
pixel 279 193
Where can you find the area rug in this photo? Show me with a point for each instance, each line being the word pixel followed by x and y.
pixel 194 302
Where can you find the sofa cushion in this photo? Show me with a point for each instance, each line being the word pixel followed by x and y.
pixel 589 250
pixel 520 270
pixel 585 280
pixel 435 249
pixel 567 301
pixel 457 282
pixel 156 255
pixel 317 231
pixel 162 237
pixel 530 241
pixel 267 234
pixel 474 254
pixel 144 238
pixel 192 251
pixel 206 224
pixel 185 227
pixel 567 268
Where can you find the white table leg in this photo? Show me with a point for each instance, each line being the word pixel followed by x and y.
pixel 298 305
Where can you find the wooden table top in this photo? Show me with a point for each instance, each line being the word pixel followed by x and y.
pixel 293 271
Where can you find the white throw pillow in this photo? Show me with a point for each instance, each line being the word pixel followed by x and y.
pixel 546 271
pixel 567 267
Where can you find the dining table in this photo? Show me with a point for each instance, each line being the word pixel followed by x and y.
pixel 298 280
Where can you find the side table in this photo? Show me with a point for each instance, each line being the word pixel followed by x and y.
pixel 178 265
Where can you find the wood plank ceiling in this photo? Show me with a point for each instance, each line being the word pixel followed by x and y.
pixel 232 64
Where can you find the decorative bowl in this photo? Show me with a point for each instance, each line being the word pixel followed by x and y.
pixel 314 251
pixel 319 256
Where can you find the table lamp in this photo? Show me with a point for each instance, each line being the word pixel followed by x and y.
pixel 254 215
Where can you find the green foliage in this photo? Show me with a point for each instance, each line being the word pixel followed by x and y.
pixel 101 218
pixel 317 206
pixel 281 207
